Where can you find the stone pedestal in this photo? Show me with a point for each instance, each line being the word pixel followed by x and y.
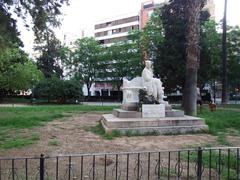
pixel 158 118
pixel 130 106
pixel 153 110
pixel 164 125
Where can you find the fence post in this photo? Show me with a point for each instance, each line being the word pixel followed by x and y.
pixel 41 170
pixel 199 164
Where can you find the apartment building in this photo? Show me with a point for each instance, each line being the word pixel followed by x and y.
pixel 116 29
pixel 112 30
pixel 69 38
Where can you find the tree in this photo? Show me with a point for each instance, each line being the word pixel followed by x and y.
pixel 17 72
pixel 22 76
pixel 193 9
pixel 52 56
pixel 233 65
pixel 209 71
pixel 43 14
pixel 152 38
pixel 8 30
pixel 84 60
pixel 57 89
pixel 164 39
pixel 172 56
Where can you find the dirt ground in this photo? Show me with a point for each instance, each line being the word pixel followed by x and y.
pixel 72 137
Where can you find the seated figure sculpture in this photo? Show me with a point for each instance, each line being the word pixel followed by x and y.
pixel 152 85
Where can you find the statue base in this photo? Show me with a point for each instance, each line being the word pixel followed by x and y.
pixel 169 121
pixel 153 110
pixel 156 126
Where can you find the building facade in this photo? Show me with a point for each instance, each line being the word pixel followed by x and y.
pixel 116 29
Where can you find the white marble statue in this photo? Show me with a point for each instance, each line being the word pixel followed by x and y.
pixel 152 85
pixel 147 82
pixel 131 90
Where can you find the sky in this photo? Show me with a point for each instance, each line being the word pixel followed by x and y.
pixel 83 14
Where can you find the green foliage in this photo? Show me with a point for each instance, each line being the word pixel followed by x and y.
pixel 91 62
pixel 17 72
pixel 21 76
pixel 43 14
pixel 170 65
pixel 164 40
pixel 210 53
pixel 234 58
pixel 58 89
pixel 152 37
pixel 84 60
pixel 8 30
pixel 53 55
pixel 121 60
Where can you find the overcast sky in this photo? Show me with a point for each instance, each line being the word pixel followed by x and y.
pixel 83 14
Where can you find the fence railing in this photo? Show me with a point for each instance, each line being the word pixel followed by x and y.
pixel 201 163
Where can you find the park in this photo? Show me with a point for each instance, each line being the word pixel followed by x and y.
pixel 160 103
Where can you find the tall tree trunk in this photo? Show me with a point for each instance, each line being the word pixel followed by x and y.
pixel 224 57
pixel 193 9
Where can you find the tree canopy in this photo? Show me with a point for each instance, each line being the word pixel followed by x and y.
pixel 84 60
pixel 17 71
pixel 53 55
pixel 42 14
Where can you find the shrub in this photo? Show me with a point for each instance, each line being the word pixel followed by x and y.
pixel 55 89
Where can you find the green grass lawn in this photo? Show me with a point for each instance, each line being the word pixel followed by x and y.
pixel 224 121
pixel 230 106
pixel 15 119
pixel 221 120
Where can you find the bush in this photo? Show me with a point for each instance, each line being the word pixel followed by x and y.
pixel 58 90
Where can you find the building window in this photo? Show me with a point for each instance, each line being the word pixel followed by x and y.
pixel 108 23
pixel 147 6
